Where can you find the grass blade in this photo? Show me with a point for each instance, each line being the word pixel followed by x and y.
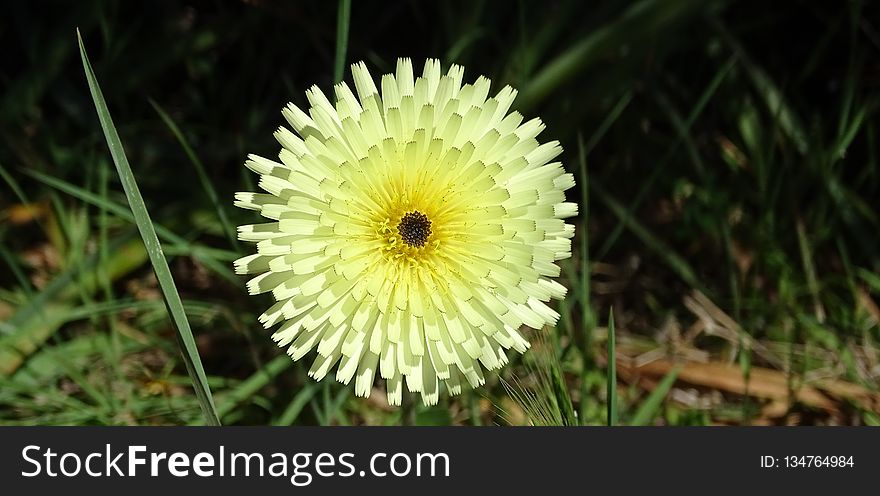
pixel 253 384
pixel 302 398
pixel 21 335
pixel 208 256
pixel 152 245
pixel 612 372
pixel 19 193
pixel 11 261
pixel 649 408
pixel 675 261
pixel 14 186
pixel 228 230
pixel 635 25
pixel 589 320
pixel 606 124
pixel 343 19
pixel 647 185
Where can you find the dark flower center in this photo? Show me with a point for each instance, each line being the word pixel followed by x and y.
pixel 414 228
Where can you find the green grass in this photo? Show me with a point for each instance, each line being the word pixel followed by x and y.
pixel 191 357
pixel 343 20
pixel 611 380
pixel 727 181
pixel 654 401
pixel 205 181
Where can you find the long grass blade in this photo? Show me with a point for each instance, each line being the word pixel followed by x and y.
pixel 675 261
pixel 660 166
pixel 253 384
pixel 151 243
pixel 210 257
pixel 302 398
pixel 612 371
pixel 343 19
pixel 646 413
pixel 228 230
pixel 635 25
pixel 589 320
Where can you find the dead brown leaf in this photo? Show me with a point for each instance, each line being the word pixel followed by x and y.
pixel 763 383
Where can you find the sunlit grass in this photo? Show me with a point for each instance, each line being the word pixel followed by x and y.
pixel 154 249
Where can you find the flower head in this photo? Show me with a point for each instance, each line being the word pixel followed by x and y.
pixel 414 231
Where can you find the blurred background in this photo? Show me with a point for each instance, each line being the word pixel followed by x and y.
pixel 726 154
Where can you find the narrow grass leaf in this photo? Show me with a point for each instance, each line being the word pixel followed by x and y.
pixel 343 19
pixel 154 248
pixel 14 186
pixel 648 410
pixel 207 185
pixel 11 261
pixel 612 371
pixel 210 257
pixel 589 320
pixel 810 270
pixel 636 25
pixel 29 326
pixel 767 89
pixel 661 249
pixel 253 384
pixel 302 398
pixel 660 166
pixel 606 124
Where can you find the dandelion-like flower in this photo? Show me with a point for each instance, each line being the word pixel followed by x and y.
pixel 414 231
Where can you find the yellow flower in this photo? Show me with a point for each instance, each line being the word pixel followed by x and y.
pixel 414 231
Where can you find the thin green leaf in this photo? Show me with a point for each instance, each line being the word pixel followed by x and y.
pixel 154 248
pixel 637 24
pixel 178 245
pixel 697 110
pixel 207 185
pixel 302 398
pixel 589 320
pixel 767 89
pixel 646 413
pixel 612 371
pixel 606 124
pixel 675 261
pixel 343 19
pixel 253 384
